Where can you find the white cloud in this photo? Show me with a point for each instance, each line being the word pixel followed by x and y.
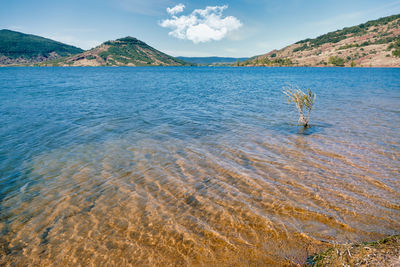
pixel 176 9
pixel 202 25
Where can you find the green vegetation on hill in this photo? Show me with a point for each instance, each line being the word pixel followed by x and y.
pixel 126 51
pixel 31 48
pixel 336 61
pixel 396 46
pixel 337 36
pixel 131 50
pixel 374 43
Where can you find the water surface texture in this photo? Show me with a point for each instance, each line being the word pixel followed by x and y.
pixel 193 166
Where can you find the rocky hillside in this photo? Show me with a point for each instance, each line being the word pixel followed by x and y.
pixel 372 44
pixel 126 51
pixel 17 48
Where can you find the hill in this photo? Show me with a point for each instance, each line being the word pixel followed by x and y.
pixel 126 51
pixel 372 44
pixel 212 60
pixel 17 48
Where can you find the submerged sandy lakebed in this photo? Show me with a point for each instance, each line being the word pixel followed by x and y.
pixel 194 166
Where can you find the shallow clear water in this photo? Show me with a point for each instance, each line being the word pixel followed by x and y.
pixel 193 166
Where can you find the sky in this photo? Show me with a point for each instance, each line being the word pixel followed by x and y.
pixel 238 28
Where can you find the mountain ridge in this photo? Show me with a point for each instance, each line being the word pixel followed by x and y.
pixel 18 48
pixel 127 51
pixel 375 43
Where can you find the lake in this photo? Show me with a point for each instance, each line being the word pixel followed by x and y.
pixel 199 166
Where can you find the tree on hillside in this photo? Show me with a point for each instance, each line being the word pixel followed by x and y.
pixel 396 46
pixel 336 61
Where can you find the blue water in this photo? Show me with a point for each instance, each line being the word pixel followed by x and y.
pixel 228 131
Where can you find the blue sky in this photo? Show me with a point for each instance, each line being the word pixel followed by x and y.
pixel 238 28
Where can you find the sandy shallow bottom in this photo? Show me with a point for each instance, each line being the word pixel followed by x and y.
pixel 194 166
pixel 262 200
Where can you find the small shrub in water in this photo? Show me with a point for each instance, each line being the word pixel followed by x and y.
pixel 304 102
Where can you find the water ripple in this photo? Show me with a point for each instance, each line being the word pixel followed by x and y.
pixel 201 166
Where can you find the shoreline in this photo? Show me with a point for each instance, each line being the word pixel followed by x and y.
pixel 385 251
